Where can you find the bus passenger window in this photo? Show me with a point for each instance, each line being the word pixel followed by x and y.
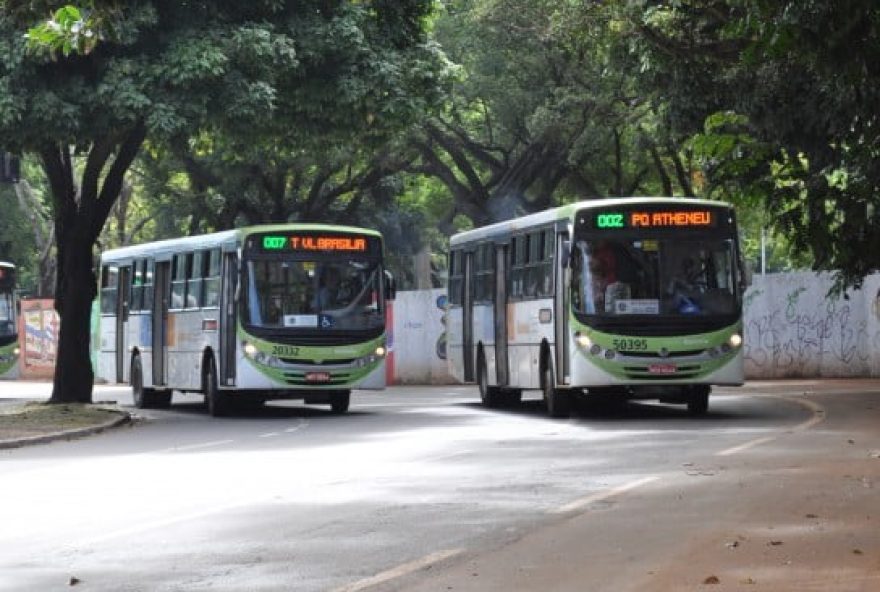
pixel 196 271
pixel 212 280
pixel 109 285
pixel 178 284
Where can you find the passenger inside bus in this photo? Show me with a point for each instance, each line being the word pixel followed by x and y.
pixel 686 286
pixel 327 296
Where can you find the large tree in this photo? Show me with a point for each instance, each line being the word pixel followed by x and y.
pixel 97 84
pixel 545 110
pixel 784 98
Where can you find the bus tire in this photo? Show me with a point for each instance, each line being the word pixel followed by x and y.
pixel 698 400
pixel 339 401
pixel 513 397
pixel 558 400
pixel 161 399
pixel 490 396
pixel 216 400
pixel 143 397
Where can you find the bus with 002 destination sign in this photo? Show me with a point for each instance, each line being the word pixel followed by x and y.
pixel 627 298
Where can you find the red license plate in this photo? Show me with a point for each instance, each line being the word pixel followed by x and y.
pixel 662 369
pixel 317 377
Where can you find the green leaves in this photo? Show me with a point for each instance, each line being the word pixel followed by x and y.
pixel 70 30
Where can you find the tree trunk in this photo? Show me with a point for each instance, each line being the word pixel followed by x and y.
pixel 77 287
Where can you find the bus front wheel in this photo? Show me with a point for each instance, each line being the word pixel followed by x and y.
pixel 558 400
pixel 144 398
pixel 339 402
pixel 216 400
pixel 698 400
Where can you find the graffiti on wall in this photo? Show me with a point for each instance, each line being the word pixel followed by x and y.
pixel 795 328
pixel 39 339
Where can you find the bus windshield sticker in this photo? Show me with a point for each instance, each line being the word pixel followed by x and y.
pixel 301 321
pixel 637 307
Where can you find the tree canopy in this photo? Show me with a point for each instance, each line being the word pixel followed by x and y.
pixel 163 72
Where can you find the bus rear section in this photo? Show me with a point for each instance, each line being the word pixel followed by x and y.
pixel 9 345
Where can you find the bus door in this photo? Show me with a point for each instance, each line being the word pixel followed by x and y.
pixel 501 359
pixel 560 308
pixel 467 304
pixel 160 320
pixel 228 319
pixel 123 306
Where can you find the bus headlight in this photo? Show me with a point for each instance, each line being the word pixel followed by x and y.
pixel 16 351
pixel 735 340
pixel 250 349
pixel 583 340
pixel 380 351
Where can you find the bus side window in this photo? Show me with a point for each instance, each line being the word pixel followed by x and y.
pixel 516 272
pixel 194 273
pixel 137 285
pixel 212 280
pixel 149 265
pixel 456 281
pixel 178 284
pixel 109 289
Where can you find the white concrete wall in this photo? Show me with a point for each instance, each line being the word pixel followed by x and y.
pixel 793 329
pixel 419 341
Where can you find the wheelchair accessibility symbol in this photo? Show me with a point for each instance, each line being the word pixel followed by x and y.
pixel 325 321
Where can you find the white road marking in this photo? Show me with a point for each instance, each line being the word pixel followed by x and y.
pixel 157 524
pixel 604 495
pixel 818 416
pixel 269 435
pixel 198 446
pixel 400 570
pixel 746 446
pixel 299 426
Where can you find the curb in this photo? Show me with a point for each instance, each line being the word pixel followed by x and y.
pixel 123 417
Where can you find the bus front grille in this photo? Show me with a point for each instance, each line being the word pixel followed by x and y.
pixel 301 362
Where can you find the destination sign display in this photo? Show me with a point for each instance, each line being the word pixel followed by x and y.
pixel 309 242
pixel 649 218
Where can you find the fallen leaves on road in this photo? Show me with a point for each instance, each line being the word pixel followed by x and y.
pixel 712 580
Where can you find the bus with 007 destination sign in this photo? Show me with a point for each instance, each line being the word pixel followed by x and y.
pixel 628 298
pixel 9 308
pixel 290 311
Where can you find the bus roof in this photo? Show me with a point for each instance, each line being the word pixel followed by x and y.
pixel 228 240
pixel 567 212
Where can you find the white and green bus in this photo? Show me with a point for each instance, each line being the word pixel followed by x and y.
pixel 9 347
pixel 630 298
pixel 292 311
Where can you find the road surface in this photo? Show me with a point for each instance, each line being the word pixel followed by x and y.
pixel 420 488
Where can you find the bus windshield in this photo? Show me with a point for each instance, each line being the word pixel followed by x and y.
pixel 7 314
pixel 668 277
pixel 324 295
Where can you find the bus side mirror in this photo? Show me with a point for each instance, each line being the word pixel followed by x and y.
pixel 565 253
pixel 390 286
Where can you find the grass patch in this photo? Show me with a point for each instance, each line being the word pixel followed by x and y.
pixel 37 419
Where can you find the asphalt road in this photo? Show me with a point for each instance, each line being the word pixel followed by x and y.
pixel 419 488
